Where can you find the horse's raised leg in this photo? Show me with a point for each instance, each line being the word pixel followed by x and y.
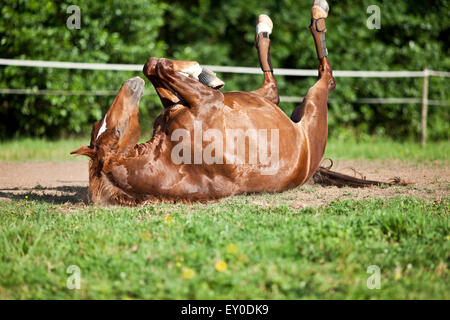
pixel 312 114
pixel 269 88
pixel 318 94
pixel 319 12
pixel 167 96
pixel 183 79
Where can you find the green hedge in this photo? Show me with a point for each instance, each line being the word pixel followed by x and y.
pixel 413 35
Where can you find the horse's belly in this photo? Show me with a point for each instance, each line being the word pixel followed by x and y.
pixel 261 144
pixel 250 144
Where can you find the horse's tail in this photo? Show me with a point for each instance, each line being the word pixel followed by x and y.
pixel 326 177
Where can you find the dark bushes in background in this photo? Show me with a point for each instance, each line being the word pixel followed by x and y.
pixel 413 35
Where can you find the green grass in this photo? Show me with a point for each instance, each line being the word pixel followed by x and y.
pixel 272 253
pixel 32 149
pixel 384 149
pixel 373 148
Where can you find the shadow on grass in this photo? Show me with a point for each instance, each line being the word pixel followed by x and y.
pixel 55 195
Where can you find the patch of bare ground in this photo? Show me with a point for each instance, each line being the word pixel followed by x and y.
pixel 55 182
pixel 66 183
pixel 428 181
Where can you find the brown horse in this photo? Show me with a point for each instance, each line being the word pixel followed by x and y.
pixel 207 144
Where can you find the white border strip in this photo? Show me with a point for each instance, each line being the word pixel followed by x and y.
pixel 246 70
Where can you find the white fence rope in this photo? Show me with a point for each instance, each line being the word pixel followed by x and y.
pixel 222 69
pixel 248 70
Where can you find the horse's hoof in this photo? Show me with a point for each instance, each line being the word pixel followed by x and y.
pixel 320 9
pixel 209 78
pixel 264 24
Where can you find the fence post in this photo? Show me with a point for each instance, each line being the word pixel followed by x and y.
pixel 424 106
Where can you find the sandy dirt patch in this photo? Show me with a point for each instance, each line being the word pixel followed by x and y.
pixel 55 182
pixel 66 182
pixel 430 181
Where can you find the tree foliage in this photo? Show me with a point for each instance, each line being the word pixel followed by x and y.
pixel 413 35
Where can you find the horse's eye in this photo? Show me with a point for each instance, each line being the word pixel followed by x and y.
pixel 119 133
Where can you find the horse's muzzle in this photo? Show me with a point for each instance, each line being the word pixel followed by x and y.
pixel 136 87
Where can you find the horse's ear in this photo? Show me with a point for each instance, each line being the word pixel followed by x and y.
pixel 84 151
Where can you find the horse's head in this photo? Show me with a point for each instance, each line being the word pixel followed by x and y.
pixel 119 130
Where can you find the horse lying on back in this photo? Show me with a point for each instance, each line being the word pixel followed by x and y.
pixel 208 144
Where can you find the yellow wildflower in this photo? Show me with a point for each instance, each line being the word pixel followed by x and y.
pixel 232 248
pixel 188 273
pixel 221 266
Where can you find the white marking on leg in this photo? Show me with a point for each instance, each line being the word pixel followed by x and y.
pixel 264 24
pixel 320 9
pixel 192 72
pixel 102 128
pixel 323 4
pixel 262 27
